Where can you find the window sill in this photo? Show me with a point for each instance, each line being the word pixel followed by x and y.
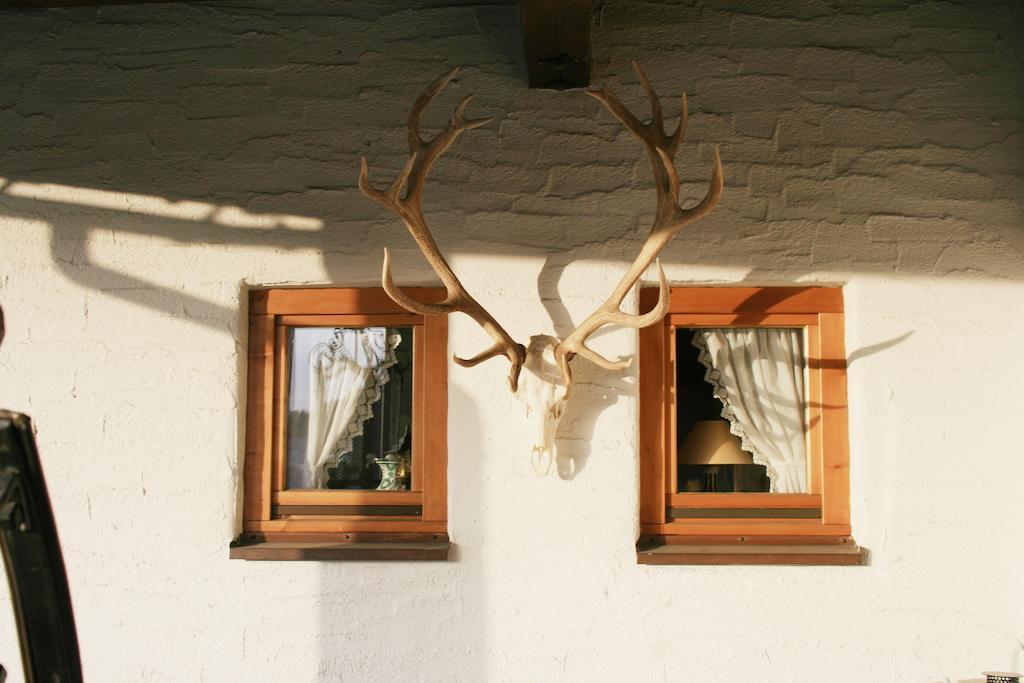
pixel 830 554
pixel 434 548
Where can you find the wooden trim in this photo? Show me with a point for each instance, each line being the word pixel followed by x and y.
pixel 418 408
pixel 671 413
pixel 742 319
pixel 756 300
pixel 355 511
pixel 747 528
pixel 417 551
pixel 336 300
pixel 835 421
pixel 282 374
pixel 652 409
pixel 435 419
pixel 345 497
pixel 761 539
pixel 743 500
pixel 736 514
pixel 339 525
pixel 376 320
pixel 647 299
pixel 818 311
pixel 350 537
pixel 337 512
pixel 259 419
pixel 347 516
pixel 815 429
pixel 827 555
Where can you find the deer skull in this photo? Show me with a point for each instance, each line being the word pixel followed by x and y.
pixel 547 383
pixel 544 393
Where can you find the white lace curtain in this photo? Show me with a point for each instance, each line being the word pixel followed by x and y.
pixel 345 380
pixel 758 375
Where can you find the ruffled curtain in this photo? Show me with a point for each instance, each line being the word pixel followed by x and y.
pixel 346 377
pixel 758 375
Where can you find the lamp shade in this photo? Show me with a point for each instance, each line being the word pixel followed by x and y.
pixel 711 443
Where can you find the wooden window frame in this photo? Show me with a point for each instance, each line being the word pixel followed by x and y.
pixel 278 523
pixel 747 528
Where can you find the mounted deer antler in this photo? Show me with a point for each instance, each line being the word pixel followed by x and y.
pixel 669 219
pixel 422 154
pixel 548 380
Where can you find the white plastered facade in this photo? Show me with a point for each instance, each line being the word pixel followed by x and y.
pixel 159 160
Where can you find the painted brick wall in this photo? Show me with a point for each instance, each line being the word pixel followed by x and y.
pixel 156 160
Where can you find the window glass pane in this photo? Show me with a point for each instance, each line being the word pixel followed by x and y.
pixel 349 408
pixel 741 410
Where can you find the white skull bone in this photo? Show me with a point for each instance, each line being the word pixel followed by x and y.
pixel 544 393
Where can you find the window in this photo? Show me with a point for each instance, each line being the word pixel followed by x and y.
pixel 346 427
pixel 744 455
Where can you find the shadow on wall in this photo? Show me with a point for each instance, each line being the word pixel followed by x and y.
pixel 73 232
pixel 264 117
pixel 594 390
pixel 265 123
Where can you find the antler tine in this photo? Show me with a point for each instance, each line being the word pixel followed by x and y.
pixel 428 94
pixel 403 299
pixel 657 124
pixel 710 201
pixel 714 193
pixel 657 117
pixel 464 124
pixel 403 198
pixel 669 219
pixel 427 151
pixel 684 119
pixel 609 313
pixel 612 103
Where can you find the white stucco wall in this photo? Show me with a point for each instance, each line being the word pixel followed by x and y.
pixel 157 160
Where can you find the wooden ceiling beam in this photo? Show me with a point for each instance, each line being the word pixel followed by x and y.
pixel 556 40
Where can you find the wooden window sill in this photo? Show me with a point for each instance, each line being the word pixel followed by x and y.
pixel 434 549
pixel 830 554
